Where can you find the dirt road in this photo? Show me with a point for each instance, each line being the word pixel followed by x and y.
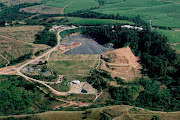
pixel 38 58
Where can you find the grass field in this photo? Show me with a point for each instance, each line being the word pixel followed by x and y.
pixel 172 36
pixel 90 21
pixel 43 9
pixel 177 47
pixel 16 2
pixel 117 112
pixel 162 13
pixel 67 64
pixel 72 5
pixel 18 41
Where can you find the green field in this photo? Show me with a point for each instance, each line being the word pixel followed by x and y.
pixel 115 112
pixel 89 21
pixel 68 64
pixel 177 47
pixel 162 13
pixel 173 36
pixel 72 5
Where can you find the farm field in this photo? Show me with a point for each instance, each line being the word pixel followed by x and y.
pixel 18 41
pixel 161 13
pixel 44 9
pixel 16 2
pixel 172 36
pixel 72 6
pixel 177 47
pixel 117 112
pixel 67 64
pixel 90 21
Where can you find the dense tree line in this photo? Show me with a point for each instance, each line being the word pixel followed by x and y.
pixel 2 5
pixel 21 58
pixel 159 62
pixel 46 37
pixel 17 97
pixel 13 13
pixel 99 79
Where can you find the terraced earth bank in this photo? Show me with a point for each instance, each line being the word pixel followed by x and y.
pixel 89 45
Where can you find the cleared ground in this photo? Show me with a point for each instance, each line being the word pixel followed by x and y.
pixel 161 13
pixel 67 64
pixel 16 2
pixel 89 45
pixel 18 41
pixel 121 63
pixel 43 9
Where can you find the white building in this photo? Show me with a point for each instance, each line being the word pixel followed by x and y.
pixel 76 82
pixel 132 27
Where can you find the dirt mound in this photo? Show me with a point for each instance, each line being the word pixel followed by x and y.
pixel 122 56
pixel 73 45
pixel 121 63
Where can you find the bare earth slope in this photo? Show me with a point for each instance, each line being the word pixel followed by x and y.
pixel 121 63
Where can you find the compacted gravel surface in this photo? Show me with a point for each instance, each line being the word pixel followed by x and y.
pixel 89 45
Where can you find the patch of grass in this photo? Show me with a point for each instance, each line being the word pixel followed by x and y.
pixel 68 64
pixel 177 47
pixel 18 41
pixel 91 21
pixel 172 36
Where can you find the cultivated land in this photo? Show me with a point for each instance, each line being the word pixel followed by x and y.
pixel 72 6
pixel 161 13
pixel 67 64
pixel 44 9
pixel 16 2
pixel 172 36
pixel 90 21
pixel 118 112
pixel 18 41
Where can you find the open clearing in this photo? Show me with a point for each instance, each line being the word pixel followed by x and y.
pixel 67 64
pixel 172 36
pixel 161 13
pixel 121 63
pixel 16 2
pixel 74 6
pixel 44 9
pixel 18 41
pixel 117 112
pixel 89 45
pixel 76 88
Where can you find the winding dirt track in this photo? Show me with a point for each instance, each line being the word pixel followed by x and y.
pixel 5 59
pixel 38 58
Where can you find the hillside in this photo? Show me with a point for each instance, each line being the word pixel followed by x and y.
pixel 118 112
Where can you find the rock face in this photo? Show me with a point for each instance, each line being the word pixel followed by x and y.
pixel 88 46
